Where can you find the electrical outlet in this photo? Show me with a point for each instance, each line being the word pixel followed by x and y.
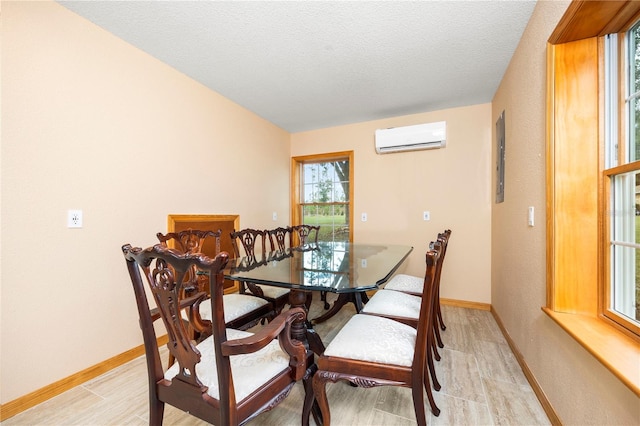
pixel 74 219
pixel 274 216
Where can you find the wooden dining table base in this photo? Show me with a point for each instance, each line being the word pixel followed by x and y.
pixel 358 299
pixel 303 330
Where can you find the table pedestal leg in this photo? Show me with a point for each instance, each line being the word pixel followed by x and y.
pixel 303 330
pixel 356 298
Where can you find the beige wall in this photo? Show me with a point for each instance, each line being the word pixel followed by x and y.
pixel 394 189
pixel 91 123
pixel 580 389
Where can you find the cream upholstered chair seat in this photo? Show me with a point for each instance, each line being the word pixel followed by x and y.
pixel 250 371
pixel 394 303
pixel 272 292
pixel 374 339
pixel 235 306
pixel 406 283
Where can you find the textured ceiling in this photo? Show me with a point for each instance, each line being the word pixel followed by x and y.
pixel 305 65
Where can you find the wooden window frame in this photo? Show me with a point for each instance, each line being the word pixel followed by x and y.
pixel 297 162
pixel 577 226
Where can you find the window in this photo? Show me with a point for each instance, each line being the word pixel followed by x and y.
pixel 322 194
pixel 580 195
pixel 622 176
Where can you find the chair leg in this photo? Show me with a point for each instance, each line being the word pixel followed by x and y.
pixel 431 352
pixel 323 297
pixel 437 319
pixel 308 401
pixel 418 403
pixel 434 348
pixel 308 300
pixel 156 412
pixel 432 372
pixel 319 389
pixel 278 307
pixel 436 331
pixel 440 321
pixel 432 403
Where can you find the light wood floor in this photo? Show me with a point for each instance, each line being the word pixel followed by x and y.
pixel 482 384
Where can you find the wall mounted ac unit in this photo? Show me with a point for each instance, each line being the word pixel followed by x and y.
pixel 411 138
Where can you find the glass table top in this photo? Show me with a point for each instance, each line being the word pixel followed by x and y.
pixel 338 267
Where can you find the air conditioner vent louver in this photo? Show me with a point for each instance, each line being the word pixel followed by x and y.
pixel 411 138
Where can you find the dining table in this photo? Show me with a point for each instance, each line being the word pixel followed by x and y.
pixel 345 268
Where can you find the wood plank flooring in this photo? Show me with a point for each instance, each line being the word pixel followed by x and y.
pixel 482 384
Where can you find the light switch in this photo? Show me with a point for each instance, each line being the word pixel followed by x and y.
pixel 426 215
pixel 531 216
pixel 363 217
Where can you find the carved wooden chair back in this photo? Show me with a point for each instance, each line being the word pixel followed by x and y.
pixel 360 352
pixel 280 238
pixel 205 381
pixel 302 235
pixel 438 323
pixel 250 245
pixel 305 234
pixel 243 311
pixel 191 241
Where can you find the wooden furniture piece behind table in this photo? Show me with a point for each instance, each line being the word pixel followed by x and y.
pixel 225 223
pixel 231 376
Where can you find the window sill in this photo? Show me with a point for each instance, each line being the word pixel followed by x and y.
pixel 616 351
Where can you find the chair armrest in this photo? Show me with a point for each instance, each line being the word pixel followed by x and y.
pixel 279 327
pixel 254 289
pixel 201 326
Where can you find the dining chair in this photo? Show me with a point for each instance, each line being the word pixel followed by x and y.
pixel 387 303
pixel 251 245
pixel 405 308
pixel 413 285
pixel 242 311
pixel 280 243
pixel 305 234
pixel 371 351
pixel 301 236
pixel 229 377
pixel 280 238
